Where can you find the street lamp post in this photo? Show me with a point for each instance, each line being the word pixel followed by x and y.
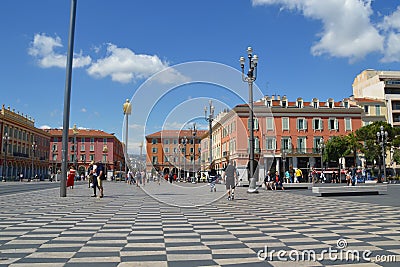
pixel 194 132
pixel 321 149
pixel 127 107
pixel 250 77
pixel 184 142
pixel 120 169
pixel 382 140
pixel 75 132
pixel 210 119
pixel 67 100
pixel 140 156
pixel 6 139
pixel 34 146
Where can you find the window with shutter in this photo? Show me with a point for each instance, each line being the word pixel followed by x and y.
pixel 257 145
pixel 347 124
pixel 286 143
pixel 270 143
pixel 270 124
pixel 301 144
pixel 255 124
pixel 285 123
pixel 301 124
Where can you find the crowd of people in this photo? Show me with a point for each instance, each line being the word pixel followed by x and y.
pixel 272 181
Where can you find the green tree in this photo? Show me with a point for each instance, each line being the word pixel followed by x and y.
pixel 353 146
pixel 336 148
pixel 367 134
pixel 396 156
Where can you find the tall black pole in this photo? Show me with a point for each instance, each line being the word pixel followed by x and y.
pixel 210 119
pixel 210 145
pixel 252 180
pixel 250 78
pixel 67 101
pixel 6 165
pixel 5 139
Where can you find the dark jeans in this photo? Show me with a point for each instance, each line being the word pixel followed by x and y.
pixel 94 185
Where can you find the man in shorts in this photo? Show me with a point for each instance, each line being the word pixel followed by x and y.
pixel 230 177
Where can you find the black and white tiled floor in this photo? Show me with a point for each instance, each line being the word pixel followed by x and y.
pixel 130 228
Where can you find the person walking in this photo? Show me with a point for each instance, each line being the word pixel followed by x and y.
pixel 212 174
pixel 158 178
pixel 138 178
pixel 170 177
pixel 230 177
pixel 95 174
pixel 291 173
pixel 71 177
pixel 334 177
pixel 90 175
pixel 144 178
pixel 299 176
pixel 100 178
pixel 348 177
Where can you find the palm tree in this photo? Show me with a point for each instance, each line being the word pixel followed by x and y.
pixel 353 146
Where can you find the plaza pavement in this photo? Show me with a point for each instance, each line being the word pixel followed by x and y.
pixel 164 225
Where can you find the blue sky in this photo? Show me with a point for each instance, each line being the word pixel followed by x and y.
pixel 306 48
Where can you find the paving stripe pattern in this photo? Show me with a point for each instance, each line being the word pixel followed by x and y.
pixel 130 228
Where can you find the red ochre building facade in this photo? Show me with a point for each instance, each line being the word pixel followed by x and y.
pixel 91 145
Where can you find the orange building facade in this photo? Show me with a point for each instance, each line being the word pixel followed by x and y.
pixel 176 151
pixel 27 152
pixel 287 133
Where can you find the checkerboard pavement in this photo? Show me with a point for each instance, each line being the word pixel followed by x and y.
pixel 131 228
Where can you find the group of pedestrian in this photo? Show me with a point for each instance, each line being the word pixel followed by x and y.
pixel 351 176
pixel 274 181
pixel 138 179
pixel 96 177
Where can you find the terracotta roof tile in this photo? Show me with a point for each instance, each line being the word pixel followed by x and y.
pixel 81 133
pixel 367 100
pixel 175 133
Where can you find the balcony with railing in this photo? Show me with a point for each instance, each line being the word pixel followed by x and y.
pixel 301 151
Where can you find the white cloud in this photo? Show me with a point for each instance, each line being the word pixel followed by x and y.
pixel 391 25
pixel 347 29
pixel 121 64
pixel 135 126
pixel 392 51
pixel 173 125
pixel 43 49
pixel 83 110
pixel 45 127
pixel 124 66
pixel 392 21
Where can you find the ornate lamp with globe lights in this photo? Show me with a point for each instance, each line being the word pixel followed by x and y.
pixel 250 78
